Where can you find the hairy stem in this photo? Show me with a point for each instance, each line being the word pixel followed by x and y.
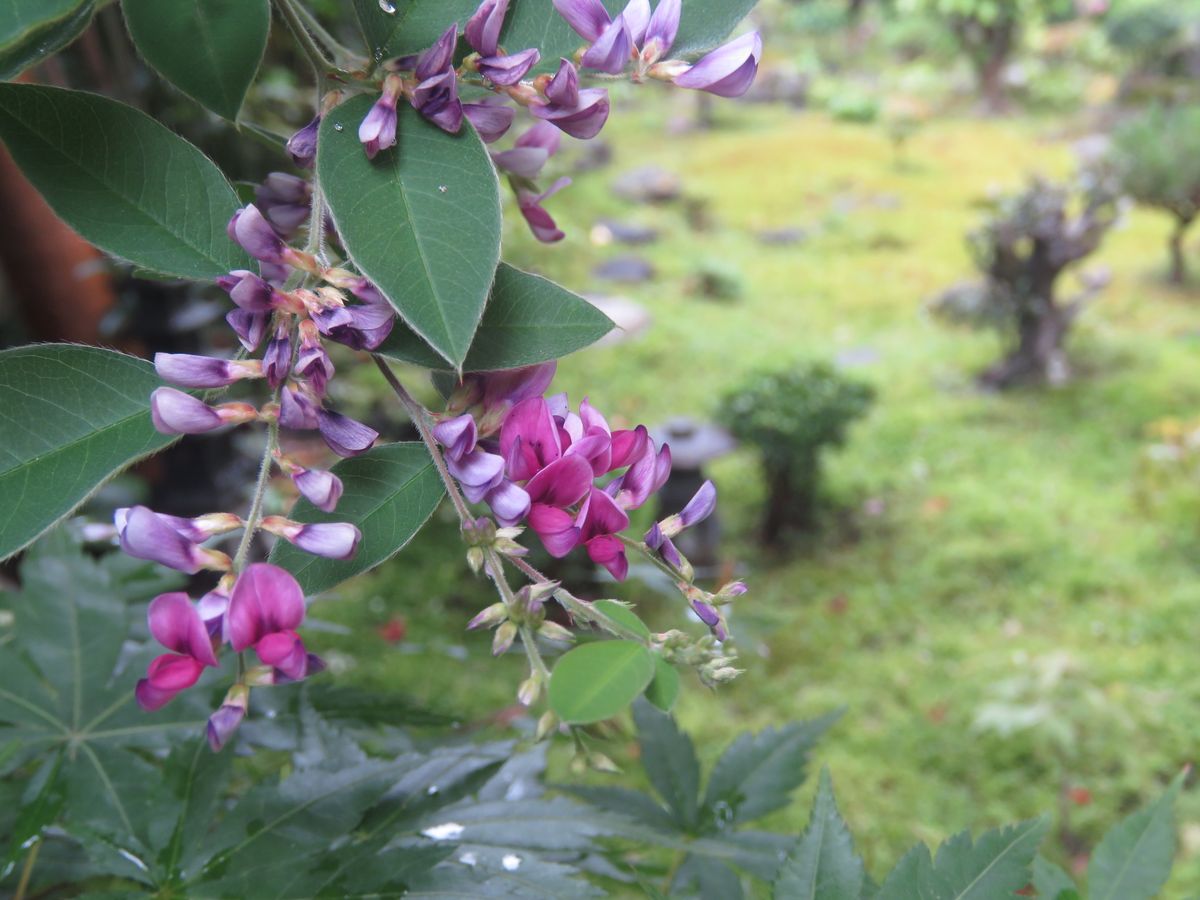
pixel 314 52
pixel 260 489
pixel 342 55
pixel 420 418
pixel 579 609
pixel 27 870
pixel 663 566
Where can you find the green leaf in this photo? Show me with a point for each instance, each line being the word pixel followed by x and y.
pixel 21 48
pixel 528 319
pixel 706 879
pixel 72 417
pixel 421 220
pixel 536 23
pixel 38 812
pixel 414 25
pixel 596 681
pixel 757 773
pixel 993 868
pixel 621 613
pixel 1051 882
pixel 1134 859
pixel 209 49
pixel 664 689
pixel 670 762
pixel 126 183
pixel 389 493
pixel 824 866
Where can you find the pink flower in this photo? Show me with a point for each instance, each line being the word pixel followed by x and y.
pixel 265 610
pixel 174 623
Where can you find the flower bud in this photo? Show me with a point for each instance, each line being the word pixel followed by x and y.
pixel 224 722
pixel 193 371
pixel 601 763
pixel 321 488
pixel 504 637
pixel 333 540
pixel 530 690
pixel 492 615
pixel 345 436
pixel 277 358
pixel 555 633
pixel 475 559
pixel 303 144
pixel 545 725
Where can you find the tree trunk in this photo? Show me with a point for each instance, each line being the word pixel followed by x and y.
pixel 1039 355
pixel 1178 262
pixel 991 85
pixel 791 500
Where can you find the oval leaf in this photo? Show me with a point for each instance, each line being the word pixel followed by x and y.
pixel 390 492
pixel 528 319
pixel 536 23
pixel 624 615
pixel 421 220
pixel 664 689
pixel 596 681
pixel 49 33
pixel 73 417
pixel 413 26
pixel 123 181
pixel 209 49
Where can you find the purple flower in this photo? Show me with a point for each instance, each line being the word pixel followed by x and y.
pixel 312 362
pixel 303 144
pixel 700 507
pixel 660 31
pixel 599 521
pixel 478 472
pixel 490 120
pixel 172 541
pixel 644 477
pixel 322 489
pixel 250 229
pixel 611 51
pixel 529 439
pixel 252 292
pixel 589 18
pixel 333 540
pixel 285 200
pixel 436 98
pixel 174 412
pixel 174 623
pixel 509 502
pixel 345 436
pixel 438 58
pixel 377 131
pixel 483 28
pixel 193 371
pixel 727 71
pixel 508 70
pixel 250 327
pixel 368 326
pixel 225 721
pixel 297 409
pixel 277 358
pixel 457 436
pixel 503 390
pixel 530 151
pixel 540 222
pixel 581 113
pixel 266 607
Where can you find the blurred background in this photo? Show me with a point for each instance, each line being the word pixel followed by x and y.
pixel 924 305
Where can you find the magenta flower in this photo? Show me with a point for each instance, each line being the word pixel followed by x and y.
pixel 172 541
pixel 581 113
pixel 555 527
pixel 490 120
pixel 600 521
pixel 193 371
pixel 344 435
pixel 644 477
pixel 265 610
pixel 377 131
pixel 436 98
pixel 727 71
pixel 303 144
pixel 254 233
pixel 174 623
pixel 174 412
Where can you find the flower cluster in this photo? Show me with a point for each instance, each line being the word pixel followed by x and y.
pixel 567 475
pixel 260 609
pixel 637 39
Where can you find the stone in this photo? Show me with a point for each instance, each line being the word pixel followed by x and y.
pixel 782 237
pixel 606 231
pixel 627 268
pixel 648 184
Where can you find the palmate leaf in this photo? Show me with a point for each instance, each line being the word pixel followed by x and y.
pixel 528 319
pixel 126 183
pixel 824 865
pixel 1051 882
pixel 670 762
pixel 59 691
pixel 389 493
pixel 1134 859
pixel 72 417
pixel 758 772
pixel 209 49
pixel 993 868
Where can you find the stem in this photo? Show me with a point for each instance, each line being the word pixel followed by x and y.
pixel 27 870
pixel 260 490
pixel 419 416
pixel 339 51
pixel 579 609
pixel 663 566
pixel 314 52
pixel 673 871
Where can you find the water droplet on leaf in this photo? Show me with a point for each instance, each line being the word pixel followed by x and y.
pixel 432 790
pixel 468 859
pixel 337 126
pixel 447 831
pixel 511 862
pixel 388 7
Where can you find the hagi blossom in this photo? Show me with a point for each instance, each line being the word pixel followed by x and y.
pixel 344 435
pixel 483 34
pixel 699 508
pixel 174 623
pixel 333 540
pixel 377 131
pixel 225 721
pixel 190 370
pixel 302 146
pixel 436 94
pixel 174 412
pixel 727 71
pixel 321 488
pixel 173 541
pixel 285 200
pixel 530 152
pixel 540 222
pixel 491 119
pixel 265 609
pixel 580 112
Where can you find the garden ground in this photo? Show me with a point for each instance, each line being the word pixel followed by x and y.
pixel 1003 601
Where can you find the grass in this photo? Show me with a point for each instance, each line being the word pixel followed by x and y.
pixel 1011 571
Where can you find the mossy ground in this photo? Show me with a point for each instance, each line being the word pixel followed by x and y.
pixel 1010 569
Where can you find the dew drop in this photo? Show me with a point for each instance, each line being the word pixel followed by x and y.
pixel 133 859
pixel 432 790
pixel 337 126
pixel 447 831
pixel 388 7
pixel 511 862
pixel 468 859
pixel 442 188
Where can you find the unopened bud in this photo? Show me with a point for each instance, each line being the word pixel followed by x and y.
pixel 545 725
pixel 475 559
pixel 492 615
pixel 552 631
pixel 480 533
pixel 601 763
pixel 685 569
pixel 724 675
pixel 530 690
pixel 259 676
pixel 505 635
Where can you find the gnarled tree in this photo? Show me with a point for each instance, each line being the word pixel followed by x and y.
pixel 1022 250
